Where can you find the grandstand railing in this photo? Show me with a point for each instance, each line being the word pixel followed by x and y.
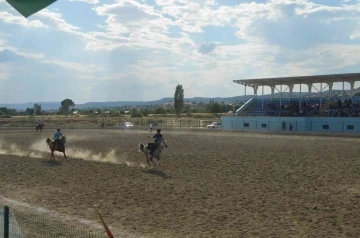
pixel 245 106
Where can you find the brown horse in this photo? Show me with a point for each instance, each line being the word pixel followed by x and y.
pixel 60 147
pixel 39 127
pixel 102 126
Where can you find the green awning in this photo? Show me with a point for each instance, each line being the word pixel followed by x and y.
pixel 29 7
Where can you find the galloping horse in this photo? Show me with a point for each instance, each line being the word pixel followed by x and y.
pixel 39 127
pixel 102 126
pixel 60 147
pixel 156 154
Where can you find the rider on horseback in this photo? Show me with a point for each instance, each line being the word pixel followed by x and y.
pixel 39 122
pixel 158 138
pixel 56 138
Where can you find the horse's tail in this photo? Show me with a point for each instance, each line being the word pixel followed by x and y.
pixel 141 147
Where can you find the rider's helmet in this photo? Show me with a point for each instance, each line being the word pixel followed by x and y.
pixel 58 129
pixel 158 130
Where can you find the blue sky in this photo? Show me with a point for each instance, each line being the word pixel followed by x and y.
pixel 91 50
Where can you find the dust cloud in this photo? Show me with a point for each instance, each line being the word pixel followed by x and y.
pixel 86 154
pixel 13 149
pixel 39 147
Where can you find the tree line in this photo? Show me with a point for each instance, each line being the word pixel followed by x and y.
pixel 178 106
pixel 66 107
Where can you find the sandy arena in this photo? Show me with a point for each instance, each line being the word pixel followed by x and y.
pixel 209 184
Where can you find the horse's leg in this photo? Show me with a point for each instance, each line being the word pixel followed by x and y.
pixel 148 160
pixel 158 160
pixel 65 155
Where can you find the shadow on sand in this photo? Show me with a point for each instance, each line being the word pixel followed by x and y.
pixel 52 163
pixel 157 173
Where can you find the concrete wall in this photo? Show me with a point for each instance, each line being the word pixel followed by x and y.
pixel 334 124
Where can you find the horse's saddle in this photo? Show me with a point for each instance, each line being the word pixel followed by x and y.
pixel 150 145
pixel 59 146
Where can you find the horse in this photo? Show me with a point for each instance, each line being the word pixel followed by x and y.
pixel 60 147
pixel 102 126
pixel 39 127
pixel 156 154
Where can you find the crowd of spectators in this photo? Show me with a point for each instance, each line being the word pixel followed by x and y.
pixel 306 108
pixel 347 108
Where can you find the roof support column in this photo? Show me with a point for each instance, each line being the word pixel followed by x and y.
pixel 291 87
pixel 352 84
pixel 272 92
pixel 281 91
pixel 310 85
pixel 300 99
pixel 262 97
pixel 321 89
pixel 330 88
pixel 255 87
pixel 245 94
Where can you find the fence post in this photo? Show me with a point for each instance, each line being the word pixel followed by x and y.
pixel 6 221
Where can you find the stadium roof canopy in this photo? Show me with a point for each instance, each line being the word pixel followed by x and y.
pixel 309 80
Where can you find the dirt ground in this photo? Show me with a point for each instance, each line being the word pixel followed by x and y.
pixel 209 184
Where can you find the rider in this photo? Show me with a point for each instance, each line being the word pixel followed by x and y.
pixel 158 137
pixel 56 138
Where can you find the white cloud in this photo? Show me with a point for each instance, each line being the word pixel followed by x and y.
pixel 56 18
pixel 273 38
pixel 20 20
pixel 86 1
pixel 144 26
pixel 117 76
pixel 4 45
pixel 4 71
pixel 81 68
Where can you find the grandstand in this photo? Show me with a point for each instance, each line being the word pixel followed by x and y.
pixel 318 106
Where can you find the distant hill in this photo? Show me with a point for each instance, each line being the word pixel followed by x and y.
pixel 236 99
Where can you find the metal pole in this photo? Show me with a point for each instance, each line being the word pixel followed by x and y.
pixel 6 221
pixel 262 97
pixel 280 95
pixel 245 94
pixel 320 94
pixel 343 96
pixel 300 99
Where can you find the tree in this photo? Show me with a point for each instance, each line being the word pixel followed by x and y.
pixel 178 99
pixel 4 110
pixel 160 110
pixel 135 112
pixel 145 112
pixel 37 109
pixel 30 111
pixel 215 108
pixel 65 106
